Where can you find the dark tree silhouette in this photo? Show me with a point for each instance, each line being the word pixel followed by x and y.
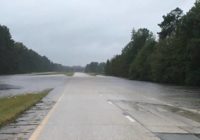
pixel 174 58
pixel 17 58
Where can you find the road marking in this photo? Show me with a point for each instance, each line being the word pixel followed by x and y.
pixel 40 127
pixel 110 102
pixel 130 118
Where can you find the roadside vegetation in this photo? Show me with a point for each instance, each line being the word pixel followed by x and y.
pixel 93 74
pixel 16 58
pixel 173 58
pixel 95 68
pixel 70 73
pixel 13 107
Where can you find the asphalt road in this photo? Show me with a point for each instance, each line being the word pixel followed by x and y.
pixel 108 108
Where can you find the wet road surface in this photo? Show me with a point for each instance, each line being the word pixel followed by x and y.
pixel 11 85
pixel 108 108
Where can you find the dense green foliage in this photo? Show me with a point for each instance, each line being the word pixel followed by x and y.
pixel 95 67
pixel 174 58
pixel 17 58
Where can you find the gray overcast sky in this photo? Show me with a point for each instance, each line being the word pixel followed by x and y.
pixel 76 32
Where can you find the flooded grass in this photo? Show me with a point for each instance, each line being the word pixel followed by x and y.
pixel 12 107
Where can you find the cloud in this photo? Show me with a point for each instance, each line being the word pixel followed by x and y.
pixel 75 32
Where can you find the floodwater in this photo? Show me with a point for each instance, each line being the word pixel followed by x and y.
pixel 126 94
pixel 23 127
pixel 179 96
pixel 19 84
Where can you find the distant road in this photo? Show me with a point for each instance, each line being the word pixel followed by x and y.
pixel 108 108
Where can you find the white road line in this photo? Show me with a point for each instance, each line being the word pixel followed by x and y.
pixel 130 118
pixel 110 102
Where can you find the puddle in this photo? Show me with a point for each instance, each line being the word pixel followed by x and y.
pixel 177 136
pixel 23 127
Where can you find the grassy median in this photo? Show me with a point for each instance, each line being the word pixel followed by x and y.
pixel 68 73
pixel 92 74
pixel 54 73
pixel 12 107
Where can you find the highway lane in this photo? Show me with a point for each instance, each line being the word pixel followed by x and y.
pixel 108 108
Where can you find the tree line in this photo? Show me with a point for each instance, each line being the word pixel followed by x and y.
pixel 173 58
pixel 95 67
pixel 15 57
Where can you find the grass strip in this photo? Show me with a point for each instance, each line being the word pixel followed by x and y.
pixel 92 74
pixel 54 73
pixel 13 107
pixel 68 73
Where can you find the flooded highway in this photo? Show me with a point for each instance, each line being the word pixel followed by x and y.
pixel 25 83
pixel 180 96
pixel 11 85
pixel 101 107
pixel 109 108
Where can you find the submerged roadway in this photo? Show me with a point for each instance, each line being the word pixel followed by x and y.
pixel 109 108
